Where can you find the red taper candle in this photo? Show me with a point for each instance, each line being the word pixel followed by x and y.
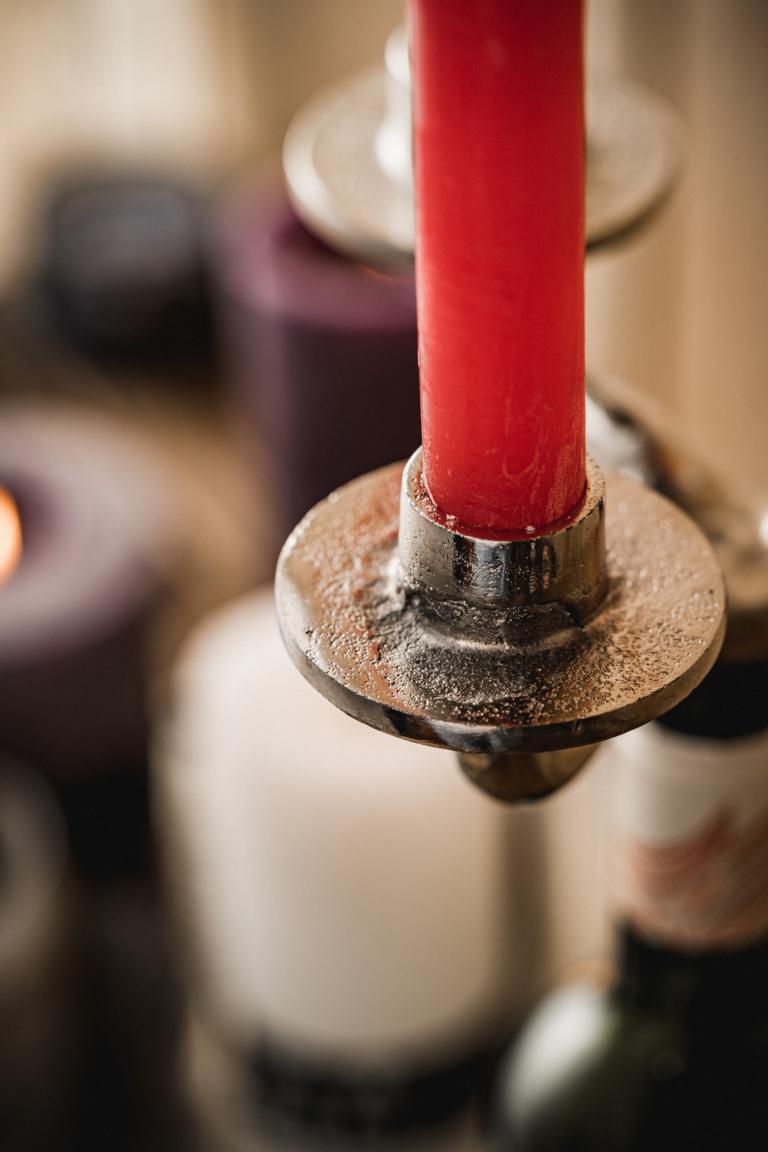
pixel 499 161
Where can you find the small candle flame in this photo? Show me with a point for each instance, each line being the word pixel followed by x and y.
pixel 10 536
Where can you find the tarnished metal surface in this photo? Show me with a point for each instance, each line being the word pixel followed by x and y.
pixel 525 678
pixel 347 161
pixel 644 437
pixel 515 777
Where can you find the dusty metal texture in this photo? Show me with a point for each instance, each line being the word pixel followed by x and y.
pixel 650 441
pixel 494 679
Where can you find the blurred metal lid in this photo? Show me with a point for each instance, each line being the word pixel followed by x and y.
pixel 347 160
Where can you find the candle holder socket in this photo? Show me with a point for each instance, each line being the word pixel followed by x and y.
pixel 518 654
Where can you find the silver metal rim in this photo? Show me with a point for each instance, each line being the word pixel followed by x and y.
pixel 340 189
pixel 364 643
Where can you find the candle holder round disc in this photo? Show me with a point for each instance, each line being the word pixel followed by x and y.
pixel 347 160
pixel 518 654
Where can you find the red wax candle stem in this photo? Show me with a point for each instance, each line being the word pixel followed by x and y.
pixel 499 161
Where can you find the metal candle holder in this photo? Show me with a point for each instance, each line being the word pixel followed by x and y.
pixel 347 160
pixel 518 654
pixel 648 440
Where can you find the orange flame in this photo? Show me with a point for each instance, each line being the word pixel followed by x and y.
pixel 10 536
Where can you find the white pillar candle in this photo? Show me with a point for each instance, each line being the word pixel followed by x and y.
pixel 345 890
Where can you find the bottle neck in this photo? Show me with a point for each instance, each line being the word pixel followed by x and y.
pixel 716 991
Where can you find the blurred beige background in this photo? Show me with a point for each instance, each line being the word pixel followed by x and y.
pixel 206 87
pixel 681 311
pixel 198 85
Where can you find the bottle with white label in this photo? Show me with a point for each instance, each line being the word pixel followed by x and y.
pixel 675 1055
pixel 344 895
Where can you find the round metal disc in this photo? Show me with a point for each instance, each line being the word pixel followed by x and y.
pixel 634 155
pixel 354 633
pixel 343 193
pixel 336 181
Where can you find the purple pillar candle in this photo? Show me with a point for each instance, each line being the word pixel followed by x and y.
pixel 75 612
pixel 322 353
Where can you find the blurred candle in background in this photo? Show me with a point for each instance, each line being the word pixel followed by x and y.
pixel 499 178
pixel 321 351
pixel 193 88
pixel 342 900
pixel 124 267
pixel 81 518
pixel 10 536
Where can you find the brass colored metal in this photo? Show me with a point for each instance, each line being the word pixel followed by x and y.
pixel 538 644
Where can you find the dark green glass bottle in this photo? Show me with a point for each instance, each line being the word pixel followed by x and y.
pixel 674 1057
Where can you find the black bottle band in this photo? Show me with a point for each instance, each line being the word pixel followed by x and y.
pixel 295 1093
pixel 732 701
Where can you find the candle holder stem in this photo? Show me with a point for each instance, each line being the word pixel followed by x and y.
pixel 515 777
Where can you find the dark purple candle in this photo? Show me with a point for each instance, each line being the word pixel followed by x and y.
pixel 75 613
pixel 123 271
pixel 322 352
